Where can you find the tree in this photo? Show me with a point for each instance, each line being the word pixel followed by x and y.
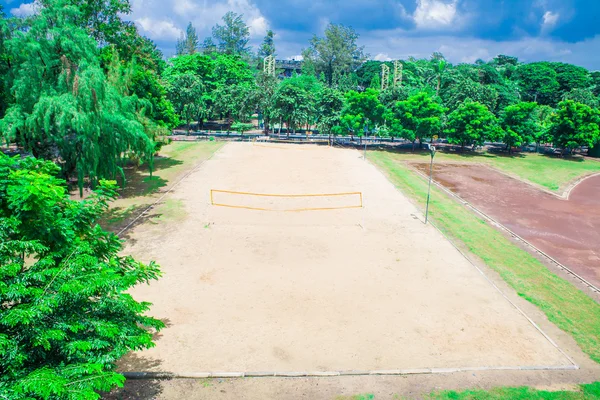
pixel 208 46
pixel 583 96
pixel 575 124
pixel 363 110
pixel 287 105
pixel 519 124
pixel 186 93
pixel 471 123
pixel 329 111
pixel 188 43
pixel 65 107
pixel 232 37
pixel 420 116
pixel 267 48
pixel 538 83
pixel 266 85
pixel 336 53
pixel 66 316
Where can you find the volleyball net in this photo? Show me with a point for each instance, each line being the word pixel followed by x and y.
pixel 285 202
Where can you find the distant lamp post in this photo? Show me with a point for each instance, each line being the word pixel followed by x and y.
pixel 432 152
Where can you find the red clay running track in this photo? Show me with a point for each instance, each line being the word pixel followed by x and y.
pixel 567 230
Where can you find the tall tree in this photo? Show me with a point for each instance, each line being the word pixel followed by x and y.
pixel 64 105
pixel 575 124
pixel 188 43
pixel 519 124
pixel 420 116
pixel 66 316
pixel 232 37
pixel 208 46
pixel 363 111
pixel 186 93
pixel 329 111
pixel 267 48
pixel 472 123
pixel 538 83
pixel 335 53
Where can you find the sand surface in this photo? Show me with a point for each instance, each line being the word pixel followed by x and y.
pixel 368 288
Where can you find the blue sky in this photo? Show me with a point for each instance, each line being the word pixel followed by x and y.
pixel 463 30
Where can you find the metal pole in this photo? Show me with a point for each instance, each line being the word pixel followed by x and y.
pixel 432 150
pixel 365 139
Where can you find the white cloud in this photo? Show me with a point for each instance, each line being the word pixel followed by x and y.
pixel 382 57
pixel 549 20
pixel 398 45
pixel 434 14
pixel 156 29
pixel 25 9
pixel 203 14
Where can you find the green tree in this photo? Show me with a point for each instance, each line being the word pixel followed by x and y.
pixel 420 116
pixel 208 46
pixel 267 48
pixel 66 315
pixel 266 85
pixel 583 96
pixel 65 106
pixel 186 93
pixel 471 123
pixel 335 53
pixel 287 102
pixel 538 83
pixel 232 37
pixel 519 124
pixel 329 107
pixel 363 110
pixel 575 124
pixel 188 43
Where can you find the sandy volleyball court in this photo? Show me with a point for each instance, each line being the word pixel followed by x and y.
pixel 354 289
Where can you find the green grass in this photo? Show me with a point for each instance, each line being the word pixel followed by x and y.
pixel 174 161
pixel 553 173
pixel 366 396
pixel 170 210
pixel 566 306
pixel 586 392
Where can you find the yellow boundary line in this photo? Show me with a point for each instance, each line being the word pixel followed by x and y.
pixel 212 202
pixel 286 210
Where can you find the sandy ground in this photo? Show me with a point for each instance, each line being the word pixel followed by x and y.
pixel 351 289
pixel 567 230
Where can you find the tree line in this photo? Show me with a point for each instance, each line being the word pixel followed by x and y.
pixel 340 91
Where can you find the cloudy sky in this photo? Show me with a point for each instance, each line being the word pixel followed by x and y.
pixel 463 30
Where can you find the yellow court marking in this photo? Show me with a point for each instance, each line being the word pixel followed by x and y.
pixel 212 191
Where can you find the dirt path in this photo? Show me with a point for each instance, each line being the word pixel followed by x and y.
pixel 568 230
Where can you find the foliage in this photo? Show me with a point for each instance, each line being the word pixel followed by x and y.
pixel 232 37
pixel 65 106
pixel 186 93
pixel 329 110
pixel 538 82
pixel 335 53
pixel 420 116
pixel 519 124
pixel 188 44
pixel 267 48
pixel 575 124
pixel 66 316
pixel 241 127
pixel 471 123
pixel 363 110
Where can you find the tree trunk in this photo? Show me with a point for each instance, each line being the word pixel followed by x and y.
pixel 280 123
